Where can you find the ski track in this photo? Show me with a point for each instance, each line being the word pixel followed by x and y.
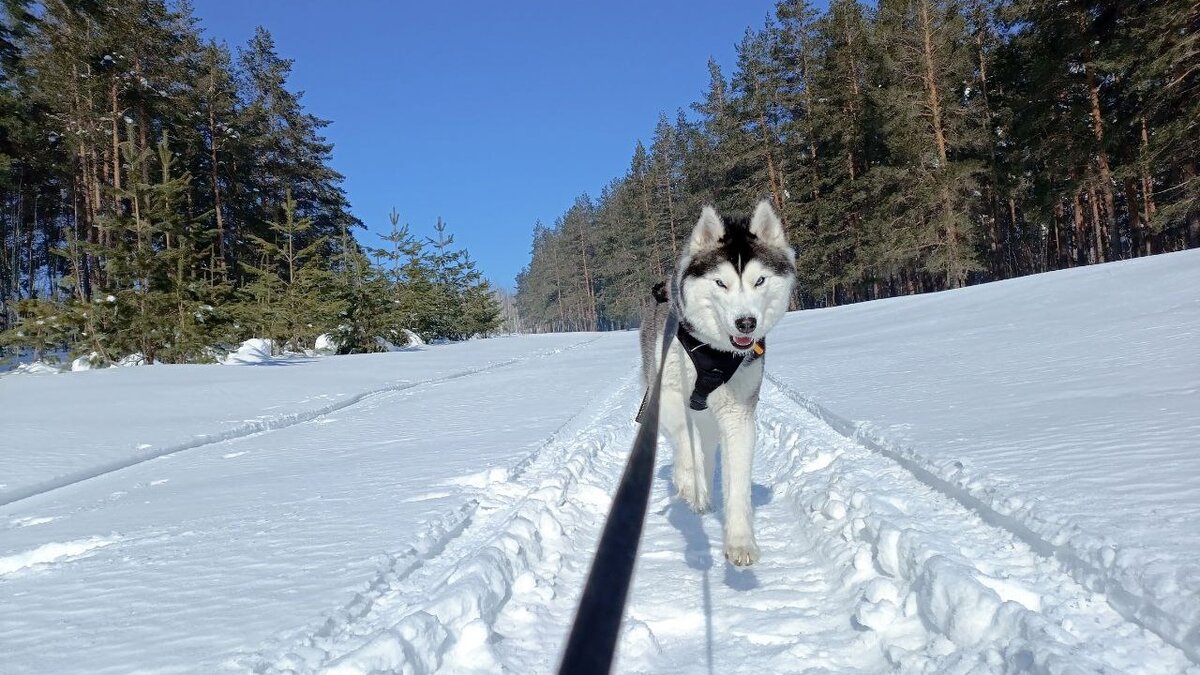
pixel 866 567
pixel 254 427
pixel 1088 559
pixel 434 604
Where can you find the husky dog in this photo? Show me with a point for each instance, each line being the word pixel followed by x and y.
pixel 731 285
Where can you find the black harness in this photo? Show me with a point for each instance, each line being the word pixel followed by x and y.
pixel 714 367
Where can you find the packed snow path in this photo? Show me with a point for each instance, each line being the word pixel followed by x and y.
pixel 865 569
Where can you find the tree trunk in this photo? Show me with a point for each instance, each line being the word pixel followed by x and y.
pixel 931 88
pixel 214 180
pixel 773 183
pixel 1055 262
pixel 806 75
pixel 29 260
pixel 1080 237
pixel 665 181
pixel 992 194
pixel 1193 216
pixel 954 277
pixel 1136 227
pixel 1106 179
pixel 1097 230
pixel 851 108
pixel 562 316
pixel 116 140
pixel 589 295
pixel 1148 206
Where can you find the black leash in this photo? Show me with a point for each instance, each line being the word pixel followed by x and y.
pixel 592 643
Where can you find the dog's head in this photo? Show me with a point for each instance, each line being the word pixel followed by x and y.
pixel 735 277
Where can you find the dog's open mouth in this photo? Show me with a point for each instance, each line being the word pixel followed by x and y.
pixel 741 341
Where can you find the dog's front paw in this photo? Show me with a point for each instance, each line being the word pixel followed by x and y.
pixel 694 495
pixel 742 553
pixel 699 502
pixel 689 491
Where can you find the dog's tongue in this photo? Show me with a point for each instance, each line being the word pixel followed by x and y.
pixel 743 341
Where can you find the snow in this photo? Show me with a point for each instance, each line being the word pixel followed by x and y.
pixel 326 344
pixel 129 415
pixel 83 362
pixel 252 351
pixel 52 552
pixel 1060 406
pixel 1002 478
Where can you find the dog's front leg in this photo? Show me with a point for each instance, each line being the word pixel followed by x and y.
pixel 737 454
pixel 687 438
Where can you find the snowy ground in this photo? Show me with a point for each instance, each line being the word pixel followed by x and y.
pixel 1062 407
pixel 1000 478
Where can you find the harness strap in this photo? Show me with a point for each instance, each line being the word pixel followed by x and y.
pixel 714 367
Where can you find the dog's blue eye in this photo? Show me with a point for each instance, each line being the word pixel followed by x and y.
pixel 721 283
pixel 760 282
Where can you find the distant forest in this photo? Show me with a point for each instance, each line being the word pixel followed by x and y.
pixel 161 195
pixel 909 146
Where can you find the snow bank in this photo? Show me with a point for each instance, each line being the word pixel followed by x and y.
pixel 52 552
pixel 37 368
pixel 84 363
pixel 254 350
pixel 326 345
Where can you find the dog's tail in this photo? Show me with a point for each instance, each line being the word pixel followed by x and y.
pixel 660 292
pixel 654 317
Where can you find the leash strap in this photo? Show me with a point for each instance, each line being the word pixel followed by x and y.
pixel 592 643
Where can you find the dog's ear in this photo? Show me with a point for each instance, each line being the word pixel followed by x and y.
pixel 709 229
pixel 766 226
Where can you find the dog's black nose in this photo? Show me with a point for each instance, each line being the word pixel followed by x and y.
pixel 746 324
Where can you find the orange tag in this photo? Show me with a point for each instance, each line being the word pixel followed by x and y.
pixel 759 349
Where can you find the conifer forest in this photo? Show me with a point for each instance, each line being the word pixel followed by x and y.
pixel 909 146
pixel 162 195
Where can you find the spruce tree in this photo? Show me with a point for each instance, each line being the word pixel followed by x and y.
pixel 287 304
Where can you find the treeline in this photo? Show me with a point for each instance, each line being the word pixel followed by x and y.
pixel 161 195
pixel 909 146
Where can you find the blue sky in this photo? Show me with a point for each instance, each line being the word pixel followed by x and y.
pixel 488 114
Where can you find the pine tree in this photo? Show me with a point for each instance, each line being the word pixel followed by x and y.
pixel 459 302
pixel 933 136
pixel 757 109
pixel 161 197
pixel 1165 59
pixel 408 282
pixel 284 148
